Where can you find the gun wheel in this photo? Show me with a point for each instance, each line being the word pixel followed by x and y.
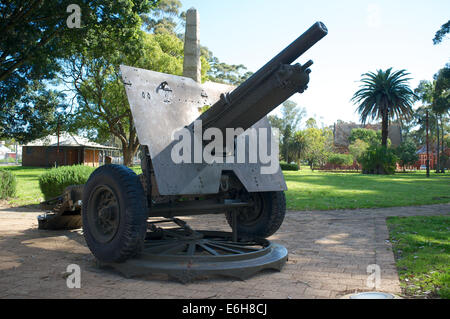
pixel 114 213
pixel 264 218
pixel 104 217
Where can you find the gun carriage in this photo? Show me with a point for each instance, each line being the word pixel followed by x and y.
pixel 123 213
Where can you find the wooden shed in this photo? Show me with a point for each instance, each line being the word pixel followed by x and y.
pixel 68 149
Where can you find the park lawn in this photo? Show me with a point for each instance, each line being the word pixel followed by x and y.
pixel 422 251
pixel 317 190
pixel 27 191
pixel 309 190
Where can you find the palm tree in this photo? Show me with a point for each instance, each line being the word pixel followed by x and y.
pixel 384 95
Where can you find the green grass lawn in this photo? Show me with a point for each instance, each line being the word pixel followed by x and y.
pixel 422 251
pixel 324 190
pixel 311 190
pixel 28 191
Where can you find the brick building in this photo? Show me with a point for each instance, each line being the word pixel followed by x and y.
pixel 422 153
pixel 69 150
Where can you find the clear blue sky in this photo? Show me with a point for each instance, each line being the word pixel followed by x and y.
pixel 363 36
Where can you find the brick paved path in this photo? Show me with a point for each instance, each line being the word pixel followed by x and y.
pixel 328 257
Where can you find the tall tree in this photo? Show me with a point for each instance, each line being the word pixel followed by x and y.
pixel 357 148
pixel 441 33
pixel 384 95
pixel 436 95
pixel 441 93
pixel 34 35
pixel 94 77
pixel 167 17
pixel 34 115
pixel 419 119
pixel 220 72
pixel 371 137
pixel 318 145
pixel 297 147
pixel 407 153
pixel 311 123
pixel 227 73
pixel 291 115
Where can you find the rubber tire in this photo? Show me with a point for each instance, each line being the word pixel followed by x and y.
pixel 270 219
pixel 129 238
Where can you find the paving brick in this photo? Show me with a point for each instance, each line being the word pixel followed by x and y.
pixel 319 293
pixel 329 255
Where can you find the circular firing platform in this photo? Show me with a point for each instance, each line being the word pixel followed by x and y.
pixel 185 255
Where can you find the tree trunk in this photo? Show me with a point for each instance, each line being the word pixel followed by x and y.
pixel 385 128
pixel 443 147
pixel 127 157
pixel 129 150
pixel 438 146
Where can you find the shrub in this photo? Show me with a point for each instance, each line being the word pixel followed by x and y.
pixel 55 180
pixel 406 153
pixel 8 184
pixel 378 160
pixel 357 148
pixel 368 136
pixel 289 167
pixel 8 160
pixel 340 159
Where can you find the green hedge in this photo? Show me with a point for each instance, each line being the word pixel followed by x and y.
pixel 55 180
pixel 378 160
pixel 289 167
pixel 8 184
pixel 340 159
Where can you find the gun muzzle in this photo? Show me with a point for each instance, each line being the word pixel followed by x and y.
pixel 270 86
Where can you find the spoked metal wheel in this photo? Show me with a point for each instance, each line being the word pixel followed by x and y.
pixel 185 255
pixel 249 216
pixel 202 244
pixel 105 217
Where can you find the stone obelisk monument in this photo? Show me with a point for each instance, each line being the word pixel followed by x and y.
pixel 191 64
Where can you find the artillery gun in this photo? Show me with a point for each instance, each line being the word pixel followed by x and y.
pixel 122 212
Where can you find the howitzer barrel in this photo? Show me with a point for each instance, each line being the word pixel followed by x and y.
pixel 303 43
pixel 270 86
